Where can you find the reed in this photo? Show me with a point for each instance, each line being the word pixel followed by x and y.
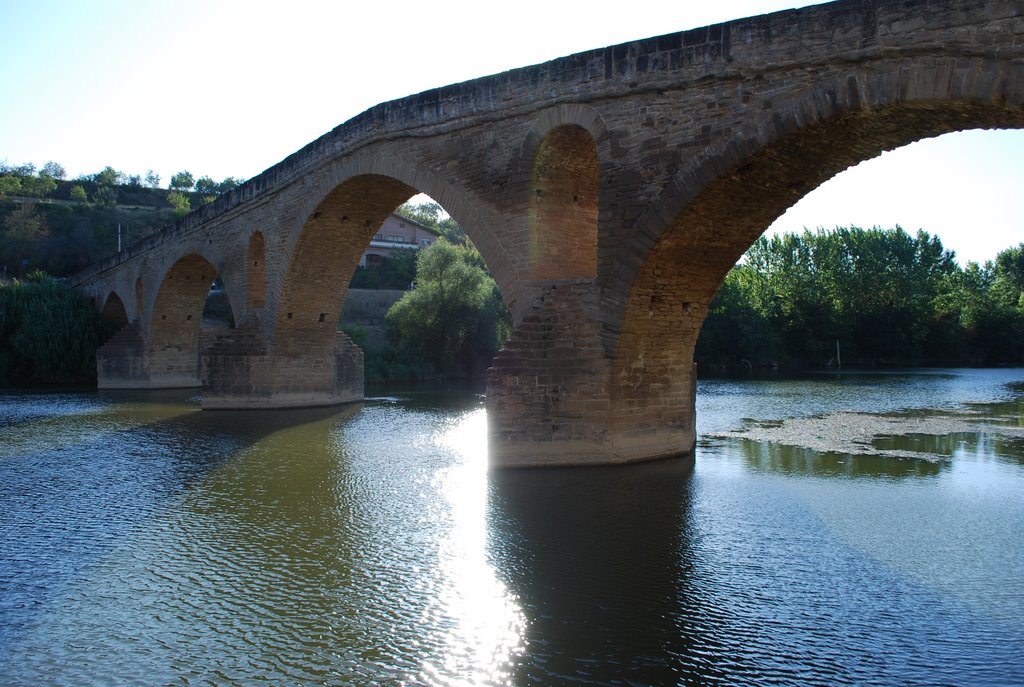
pixel 48 333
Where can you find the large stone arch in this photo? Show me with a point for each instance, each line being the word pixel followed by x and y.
pixel 312 362
pixel 479 222
pixel 721 206
pixel 324 258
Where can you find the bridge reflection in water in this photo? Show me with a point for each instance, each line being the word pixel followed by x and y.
pixel 143 541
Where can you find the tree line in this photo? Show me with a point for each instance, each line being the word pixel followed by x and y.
pixel 853 296
pixel 60 226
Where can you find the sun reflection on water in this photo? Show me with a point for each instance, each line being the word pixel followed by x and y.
pixel 485 622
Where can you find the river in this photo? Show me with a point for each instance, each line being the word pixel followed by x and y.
pixel 144 542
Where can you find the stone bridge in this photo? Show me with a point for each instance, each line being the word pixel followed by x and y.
pixel 609 192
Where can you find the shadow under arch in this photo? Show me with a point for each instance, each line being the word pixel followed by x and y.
pixel 256 268
pixel 723 212
pixel 173 338
pixel 114 312
pixel 325 257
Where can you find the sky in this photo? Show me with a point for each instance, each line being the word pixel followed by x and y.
pixel 225 89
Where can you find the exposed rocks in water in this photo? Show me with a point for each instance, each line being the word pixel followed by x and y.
pixel 860 433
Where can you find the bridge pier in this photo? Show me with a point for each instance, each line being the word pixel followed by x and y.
pixel 128 362
pixel 556 398
pixel 238 373
pixel 121 361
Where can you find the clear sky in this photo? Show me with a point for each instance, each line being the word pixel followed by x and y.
pixel 230 88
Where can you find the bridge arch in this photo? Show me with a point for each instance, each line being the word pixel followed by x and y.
pixel 324 258
pixel 564 192
pixel 172 338
pixel 255 292
pixel 780 159
pixel 139 295
pixel 114 312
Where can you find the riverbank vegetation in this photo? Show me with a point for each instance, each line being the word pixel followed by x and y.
pixel 48 333
pixel 864 297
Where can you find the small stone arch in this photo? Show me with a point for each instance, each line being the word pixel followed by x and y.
pixel 139 296
pixel 114 312
pixel 173 334
pixel 564 190
pixel 256 271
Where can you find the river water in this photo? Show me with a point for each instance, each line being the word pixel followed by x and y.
pixel 144 542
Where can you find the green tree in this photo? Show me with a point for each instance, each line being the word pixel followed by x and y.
pixel 206 186
pixel 1008 277
pixel 53 170
pixel 882 296
pixel 38 187
pixel 108 177
pixel 227 185
pixel 24 232
pixel 180 202
pixel 10 185
pixel 77 193
pixel 454 321
pixel 182 181
pixel 152 179
pixel 105 195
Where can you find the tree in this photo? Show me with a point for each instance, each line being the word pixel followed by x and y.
pixel 24 231
pixel 152 179
pixel 182 181
pixel 105 195
pixel 227 185
pixel 39 187
pixel 77 193
pixel 454 321
pixel 1008 277
pixel 885 296
pixel 9 185
pixel 108 177
pixel 48 332
pixel 180 202
pixel 206 186
pixel 53 170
